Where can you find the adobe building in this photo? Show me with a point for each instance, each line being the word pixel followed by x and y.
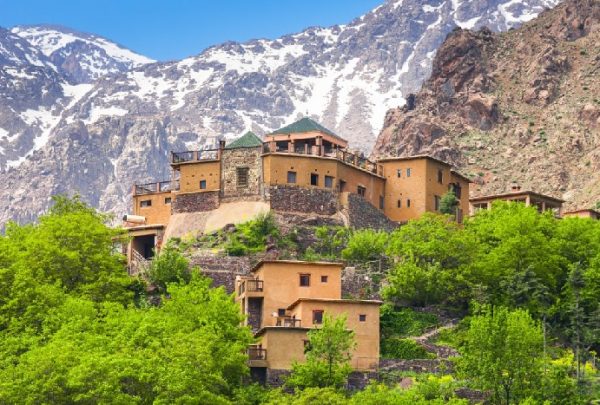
pixel 283 300
pixel 583 213
pixel 529 198
pixel 302 167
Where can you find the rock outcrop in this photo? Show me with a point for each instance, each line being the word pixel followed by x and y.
pixel 517 107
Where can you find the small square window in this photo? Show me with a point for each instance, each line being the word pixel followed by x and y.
pixel 324 279
pixel 408 172
pixel 361 191
pixel 146 203
pixel 304 280
pixel 291 177
pixel 314 179
pixel 362 318
pixel 167 200
pixel 202 184
pixel 399 172
pixel 328 181
pixel 317 317
pixel 408 203
pixel 281 312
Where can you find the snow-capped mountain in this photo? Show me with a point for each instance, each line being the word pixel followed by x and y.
pixel 346 77
pixel 80 57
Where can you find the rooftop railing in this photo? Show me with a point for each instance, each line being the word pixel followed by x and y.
pixel 251 286
pixel 340 154
pixel 194 155
pixel 156 187
pixel 288 322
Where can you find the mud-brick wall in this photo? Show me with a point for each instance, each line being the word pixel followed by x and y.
pixel 306 200
pixel 231 160
pixel 364 215
pixel 195 202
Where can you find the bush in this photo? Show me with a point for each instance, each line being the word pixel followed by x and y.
pixel 398 348
pixel 404 322
pixel 251 237
pixel 168 267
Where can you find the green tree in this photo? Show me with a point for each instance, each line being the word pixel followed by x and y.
pixel 448 203
pixel 168 267
pixel 365 245
pixel 327 357
pixel 503 353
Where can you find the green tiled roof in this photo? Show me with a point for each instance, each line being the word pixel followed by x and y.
pixel 303 125
pixel 248 140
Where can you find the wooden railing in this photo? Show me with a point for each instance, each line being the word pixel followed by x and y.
pixel 257 353
pixel 251 286
pixel 194 155
pixel 156 187
pixel 288 322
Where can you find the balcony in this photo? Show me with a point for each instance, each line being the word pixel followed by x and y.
pixel 341 155
pixel 194 156
pixel 256 353
pixel 156 187
pixel 288 322
pixel 250 286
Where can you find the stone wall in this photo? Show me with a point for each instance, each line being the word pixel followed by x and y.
pixel 417 366
pixel 306 200
pixel 276 378
pixel 361 283
pixel 195 202
pixel 231 160
pixel 363 215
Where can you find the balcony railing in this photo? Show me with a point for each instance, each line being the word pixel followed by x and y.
pixel 257 353
pixel 288 322
pixel 251 286
pixel 194 155
pixel 156 187
pixel 340 154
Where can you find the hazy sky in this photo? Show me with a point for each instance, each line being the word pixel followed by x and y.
pixel 174 29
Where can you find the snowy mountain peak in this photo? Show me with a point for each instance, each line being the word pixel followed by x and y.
pixel 81 57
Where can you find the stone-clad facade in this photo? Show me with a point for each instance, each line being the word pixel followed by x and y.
pixel 241 170
pixel 194 202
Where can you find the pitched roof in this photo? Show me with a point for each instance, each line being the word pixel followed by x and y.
pixel 303 125
pixel 248 140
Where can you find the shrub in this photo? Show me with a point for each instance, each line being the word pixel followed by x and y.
pixel 168 267
pixel 398 348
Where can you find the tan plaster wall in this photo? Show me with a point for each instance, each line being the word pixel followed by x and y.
pixel 158 212
pixel 276 167
pixel 192 173
pixel 404 188
pixel 284 346
pixel 365 356
pixel 282 285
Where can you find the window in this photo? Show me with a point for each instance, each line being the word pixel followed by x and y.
pixel 202 184
pixel 328 181
pixel 408 203
pixel 381 202
pixel 146 203
pixel 291 177
pixel 399 172
pixel 440 176
pixel 167 200
pixel 408 172
pixel 281 312
pixel 362 318
pixel 317 317
pixel 399 203
pixel 324 279
pixel 436 202
pixel 304 280
pixel 342 185
pixel 242 177
pixel 314 179
pixel 361 191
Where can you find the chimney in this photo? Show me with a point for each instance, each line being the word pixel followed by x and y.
pixel 221 147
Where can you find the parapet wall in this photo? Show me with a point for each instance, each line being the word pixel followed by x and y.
pixel 195 202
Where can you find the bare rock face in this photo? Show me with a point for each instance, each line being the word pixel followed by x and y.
pixel 517 107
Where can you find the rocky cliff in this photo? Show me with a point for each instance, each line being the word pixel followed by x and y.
pixel 517 107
